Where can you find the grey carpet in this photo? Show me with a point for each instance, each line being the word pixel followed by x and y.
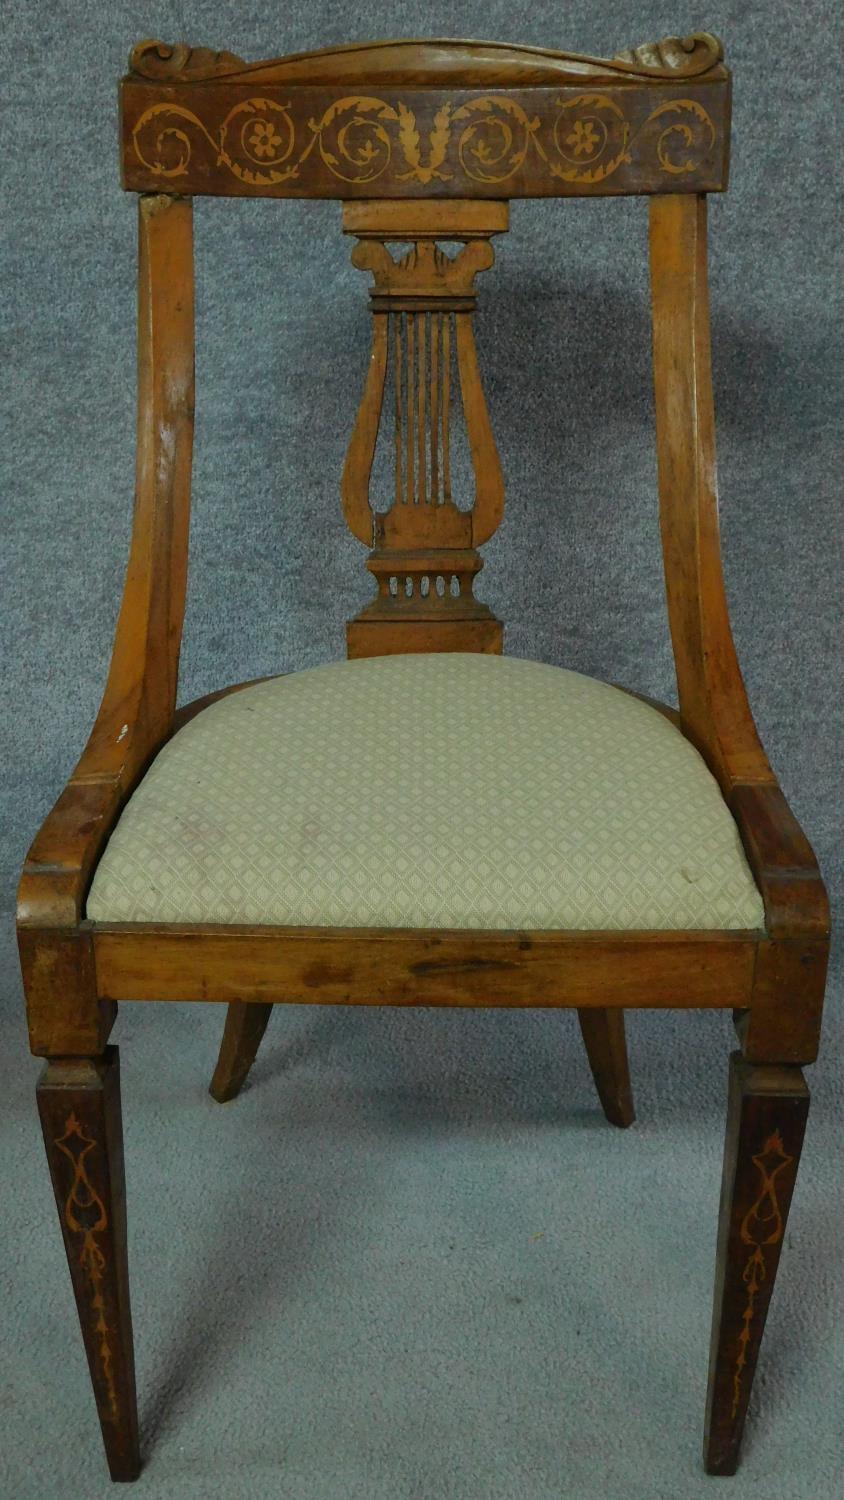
pixel 412 1261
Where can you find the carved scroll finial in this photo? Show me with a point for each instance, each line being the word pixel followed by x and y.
pixel 180 63
pixel 440 61
pixel 674 56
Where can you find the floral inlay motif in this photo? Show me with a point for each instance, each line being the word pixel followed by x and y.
pixel 584 138
pixel 264 139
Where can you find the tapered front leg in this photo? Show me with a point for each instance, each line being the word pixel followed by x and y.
pixel 606 1048
pixel 79 1105
pixel 766 1120
pixel 245 1026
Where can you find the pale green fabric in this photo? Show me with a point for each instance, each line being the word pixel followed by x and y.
pixel 429 791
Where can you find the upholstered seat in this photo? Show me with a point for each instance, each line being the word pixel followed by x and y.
pixel 443 790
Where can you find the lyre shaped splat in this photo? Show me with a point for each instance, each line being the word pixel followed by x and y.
pixel 424 546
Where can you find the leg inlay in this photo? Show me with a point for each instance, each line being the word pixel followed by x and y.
pixel 86 1218
pixel 761 1227
pixel 766 1120
pixel 79 1106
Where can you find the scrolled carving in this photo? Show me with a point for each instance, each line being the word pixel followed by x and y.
pixel 424 270
pixel 432 61
pixel 180 63
pixel 673 56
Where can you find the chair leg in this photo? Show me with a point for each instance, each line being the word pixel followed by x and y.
pixel 606 1048
pixel 79 1106
pixel 245 1026
pixel 766 1119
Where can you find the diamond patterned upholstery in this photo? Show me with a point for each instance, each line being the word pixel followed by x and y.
pixel 441 790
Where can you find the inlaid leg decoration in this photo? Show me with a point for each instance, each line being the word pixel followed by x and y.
pixel 79 1106
pixel 606 1048
pixel 766 1119
pixel 424 537
pixel 245 1026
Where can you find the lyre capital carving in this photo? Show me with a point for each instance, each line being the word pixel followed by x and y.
pixel 424 271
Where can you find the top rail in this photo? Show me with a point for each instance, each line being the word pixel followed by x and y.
pixel 431 119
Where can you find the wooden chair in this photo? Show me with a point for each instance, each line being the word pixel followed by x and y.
pixel 424 142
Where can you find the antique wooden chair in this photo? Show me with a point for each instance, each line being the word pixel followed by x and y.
pixel 538 839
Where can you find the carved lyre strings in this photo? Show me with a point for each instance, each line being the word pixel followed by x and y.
pixel 423 362
pixel 420 357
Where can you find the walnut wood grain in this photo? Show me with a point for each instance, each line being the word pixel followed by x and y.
pixel 606 1047
pixel 714 708
pixel 65 1016
pixel 137 708
pixel 713 701
pixel 386 966
pixel 245 1026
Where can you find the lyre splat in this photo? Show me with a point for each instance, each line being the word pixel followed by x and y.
pixel 424 546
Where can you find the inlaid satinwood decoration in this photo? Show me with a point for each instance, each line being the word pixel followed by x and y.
pixel 447 856
pixel 85 1216
pixel 762 1225
pixel 423 543
pixel 293 125
pixel 486 140
pixel 359 140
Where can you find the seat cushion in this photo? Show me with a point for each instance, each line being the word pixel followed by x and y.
pixel 429 791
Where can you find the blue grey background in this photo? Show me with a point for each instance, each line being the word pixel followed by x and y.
pixel 412 1262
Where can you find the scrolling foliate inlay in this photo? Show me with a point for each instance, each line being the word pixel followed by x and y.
pixel 360 139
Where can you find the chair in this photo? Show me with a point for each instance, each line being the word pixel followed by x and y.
pixel 533 837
